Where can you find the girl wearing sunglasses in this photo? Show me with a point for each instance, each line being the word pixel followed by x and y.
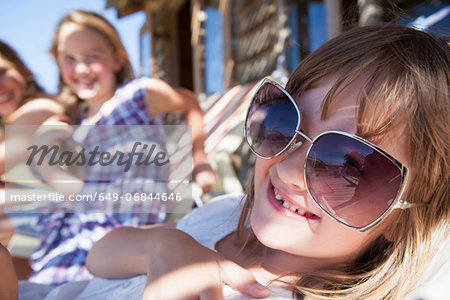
pixel 349 197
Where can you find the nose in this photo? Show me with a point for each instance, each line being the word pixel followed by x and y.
pixel 81 67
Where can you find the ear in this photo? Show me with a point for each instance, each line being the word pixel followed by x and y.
pixel 118 63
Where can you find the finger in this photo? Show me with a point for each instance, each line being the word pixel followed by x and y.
pixel 213 293
pixel 242 280
pixel 63 118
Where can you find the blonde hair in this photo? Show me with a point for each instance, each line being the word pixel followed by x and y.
pixel 99 24
pixel 406 84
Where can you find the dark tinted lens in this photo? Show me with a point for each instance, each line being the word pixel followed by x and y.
pixel 351 181
pixel 271 121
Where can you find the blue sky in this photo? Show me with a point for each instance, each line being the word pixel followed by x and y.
pixel 28 26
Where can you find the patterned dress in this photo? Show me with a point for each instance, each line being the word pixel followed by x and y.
pixel 68 236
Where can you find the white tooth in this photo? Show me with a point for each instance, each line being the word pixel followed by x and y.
pixel 301 211
pixel 293 208
pixel 277 196
pixel 286 204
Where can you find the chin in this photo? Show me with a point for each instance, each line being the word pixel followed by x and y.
pixel 270 233
pixel 8 109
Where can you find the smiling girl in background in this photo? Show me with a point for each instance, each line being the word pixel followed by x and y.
pixel 97 87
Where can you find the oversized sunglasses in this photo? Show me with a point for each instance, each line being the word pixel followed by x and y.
pixel 352 180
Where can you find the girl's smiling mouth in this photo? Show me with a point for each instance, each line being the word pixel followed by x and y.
pixel 85 83
pixel 86 89
pixel 282 204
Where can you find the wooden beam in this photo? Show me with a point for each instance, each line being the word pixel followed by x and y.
pixel 228 62
pixel 370 12
pixel 333 14
pixel 196 51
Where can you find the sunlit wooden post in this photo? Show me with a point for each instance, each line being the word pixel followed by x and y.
pixel 333 12
pixel 228 62
pixel 370 11
pixel 196 47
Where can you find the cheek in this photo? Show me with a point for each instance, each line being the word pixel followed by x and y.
pixel 97 67
pixel 16 81
pixel 14 84
pixel 259 170
pixel 102 69
pixel 262 167
pixel 66 70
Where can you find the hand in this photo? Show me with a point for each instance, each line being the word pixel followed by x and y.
pixel 205 176
pixel 8 283
pixel 19 139
pixel 54 130
pixel 180 268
